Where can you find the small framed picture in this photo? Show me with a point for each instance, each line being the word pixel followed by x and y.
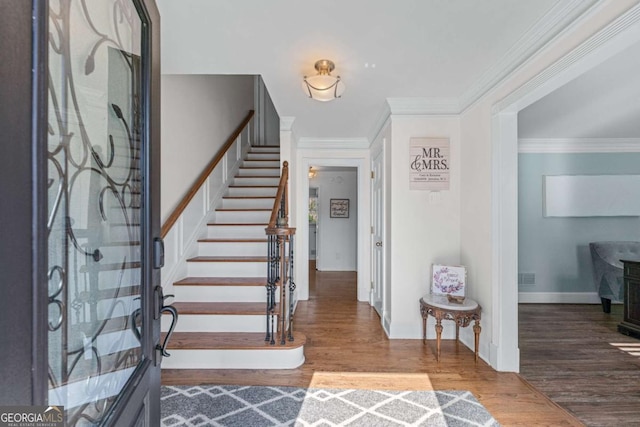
pixel 448 280
pixel 339 208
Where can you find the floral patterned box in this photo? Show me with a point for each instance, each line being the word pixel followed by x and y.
pixel 448 280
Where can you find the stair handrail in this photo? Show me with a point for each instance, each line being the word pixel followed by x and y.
pixel 193 190
pixel 280 208
pixel 280 270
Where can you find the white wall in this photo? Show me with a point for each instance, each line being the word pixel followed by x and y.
pixel 337 237
pixel 489 176
pixel 199 113
pixel 425 228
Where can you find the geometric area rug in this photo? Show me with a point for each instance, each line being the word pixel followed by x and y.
pixel 253 406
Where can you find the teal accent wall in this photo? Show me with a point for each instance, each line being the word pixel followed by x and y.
pixel 557 249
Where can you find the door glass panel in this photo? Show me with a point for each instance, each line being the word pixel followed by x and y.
pixel 94 204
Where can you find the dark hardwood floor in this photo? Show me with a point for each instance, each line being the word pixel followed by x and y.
pixel 347 348
pixel 574 354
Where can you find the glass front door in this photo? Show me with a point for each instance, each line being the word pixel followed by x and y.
pixel 98 232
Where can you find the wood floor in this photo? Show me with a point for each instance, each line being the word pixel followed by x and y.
pixel 347 348
pixel 574 354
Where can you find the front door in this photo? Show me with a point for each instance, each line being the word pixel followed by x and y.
pixel 102 225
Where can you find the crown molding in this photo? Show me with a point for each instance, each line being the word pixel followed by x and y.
pixel 333 143
pixel 625 31
pixel 286 123
pixel 552 23
pixel 578 145
pixel 423 106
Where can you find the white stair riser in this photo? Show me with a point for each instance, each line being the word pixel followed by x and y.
pixel 242 217
pixel 120 233
pixel 221 293
pixel 112 279
pixel 259 172
pixel 218 323
pixel 263 156
pixel 236 231
pixel 251 181
pixel 227 269
pixel 285 358
pixel 261 163
pixel 232 248
pixel 260 148
pixel 116 254
pixel 248 203
pixel 252 191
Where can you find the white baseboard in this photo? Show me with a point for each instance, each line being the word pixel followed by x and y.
pixel 558 298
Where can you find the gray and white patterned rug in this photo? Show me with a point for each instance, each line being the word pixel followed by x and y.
pixel 250 406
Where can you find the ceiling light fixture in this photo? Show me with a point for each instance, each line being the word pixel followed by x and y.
pixel 323 86
pixel 312 173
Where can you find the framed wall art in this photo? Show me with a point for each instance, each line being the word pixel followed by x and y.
pixel 339 208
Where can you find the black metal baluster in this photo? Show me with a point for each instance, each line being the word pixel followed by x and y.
pixel 292 287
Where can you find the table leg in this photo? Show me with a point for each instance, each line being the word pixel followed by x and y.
pixel 438 336
pixel 457 331
pixel 424 329
pixel 476 331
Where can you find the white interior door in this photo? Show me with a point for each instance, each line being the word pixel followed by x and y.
pixel 377 231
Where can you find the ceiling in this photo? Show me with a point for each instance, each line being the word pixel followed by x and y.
pixel 444 53
pixel 602 103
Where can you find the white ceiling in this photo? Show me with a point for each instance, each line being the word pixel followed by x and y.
pixel 602 103
pixel 448 52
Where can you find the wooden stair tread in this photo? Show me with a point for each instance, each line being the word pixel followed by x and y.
pixel 227 224
pixel 248 197
pixel 243 210
pixel 259 167
pixel 236 308
pixel 258 176
pixel 253 186
pixel 234 240
pixel 222 281
pixel 229 341
pixel 228 259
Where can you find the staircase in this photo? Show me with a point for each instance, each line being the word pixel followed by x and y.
pixel 222 304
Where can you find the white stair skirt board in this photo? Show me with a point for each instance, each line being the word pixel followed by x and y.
pixel 259 172
pixel 232 248
pixel 255 203
pixel 242 217
pixel 221 293
pixel 255 180
pixel 286 358
pixel 237 231
pixel 558 298
pixel 252 191
pixel 218 322
pixel 226 269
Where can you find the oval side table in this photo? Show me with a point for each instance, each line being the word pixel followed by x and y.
pixel 440 308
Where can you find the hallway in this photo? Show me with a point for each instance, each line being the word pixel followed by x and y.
pixel 347 348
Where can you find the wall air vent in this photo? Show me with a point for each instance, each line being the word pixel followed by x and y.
pixel 526 278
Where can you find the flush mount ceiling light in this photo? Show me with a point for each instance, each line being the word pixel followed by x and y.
pixel 323 86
